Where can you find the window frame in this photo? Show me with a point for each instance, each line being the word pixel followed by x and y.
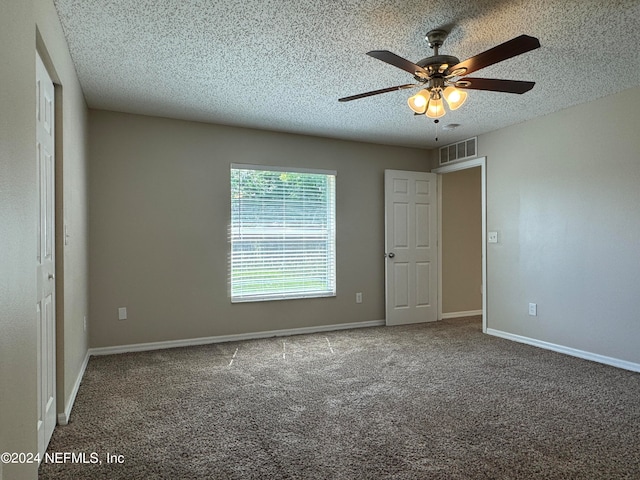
pixel 331 236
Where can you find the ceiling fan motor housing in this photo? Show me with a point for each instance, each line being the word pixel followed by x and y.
pixel 436 64
pixel 438 60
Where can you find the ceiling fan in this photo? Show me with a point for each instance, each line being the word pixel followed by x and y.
pixel 438 74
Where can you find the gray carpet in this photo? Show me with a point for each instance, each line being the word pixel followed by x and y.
pixel 435 401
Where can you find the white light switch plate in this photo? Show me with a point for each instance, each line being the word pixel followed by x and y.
pixel 122 313
pixel 492 237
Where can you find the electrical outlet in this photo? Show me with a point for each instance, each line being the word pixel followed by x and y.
pixel 122 313
pixel 492 237
pixel 84 323
pixel 533 309
pixel 359 297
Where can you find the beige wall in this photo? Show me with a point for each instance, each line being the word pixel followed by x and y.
pixel 462 241
pixel 17 251
pixel 563 192
pixel 159 213
pixel 18 200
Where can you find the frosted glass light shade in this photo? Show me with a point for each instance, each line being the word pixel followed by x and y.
pixel 435 108
pixel 454 97
pixel 418 103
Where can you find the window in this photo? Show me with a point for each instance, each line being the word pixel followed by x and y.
pixel 282 233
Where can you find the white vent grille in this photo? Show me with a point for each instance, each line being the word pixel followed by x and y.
pixel 459 151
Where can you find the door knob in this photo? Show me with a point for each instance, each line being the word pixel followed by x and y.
pixel 51 276
pixel 391 254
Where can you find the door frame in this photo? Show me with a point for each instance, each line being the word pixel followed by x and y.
pixel 463 165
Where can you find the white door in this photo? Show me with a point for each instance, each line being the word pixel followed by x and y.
pixel 45 258
pixel 411 253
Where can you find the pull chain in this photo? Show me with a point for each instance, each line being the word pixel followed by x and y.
pixel 436 121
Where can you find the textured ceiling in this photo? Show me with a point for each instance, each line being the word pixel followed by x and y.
pixel 282 64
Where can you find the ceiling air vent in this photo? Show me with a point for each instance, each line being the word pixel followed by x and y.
pixel 459 151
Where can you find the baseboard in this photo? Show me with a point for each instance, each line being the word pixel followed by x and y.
pixel 141 347
pixel 468 313
pixel 594 357
pixel 63 417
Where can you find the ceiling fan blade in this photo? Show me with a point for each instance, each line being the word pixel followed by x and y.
pixel 397 61
pixel 376 92
pixel 514 47
pixel 495 85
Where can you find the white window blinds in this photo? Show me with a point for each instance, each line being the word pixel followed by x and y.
pixel 282 233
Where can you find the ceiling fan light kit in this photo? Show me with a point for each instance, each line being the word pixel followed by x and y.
pixel 429 102
pixel 436 74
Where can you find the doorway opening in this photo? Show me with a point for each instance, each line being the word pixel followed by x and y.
pixel 443 263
